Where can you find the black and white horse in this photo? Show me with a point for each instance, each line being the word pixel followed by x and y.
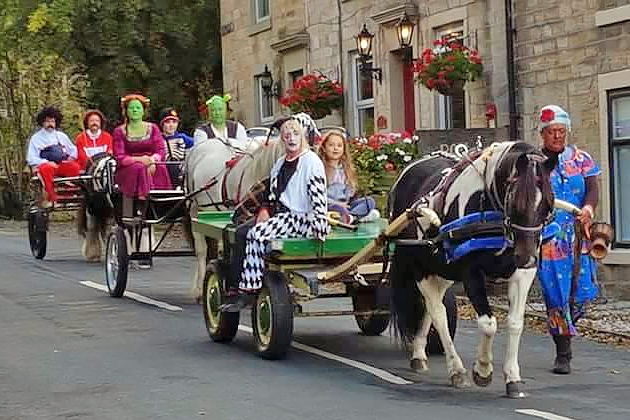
pixel 97 210
pixel 510 178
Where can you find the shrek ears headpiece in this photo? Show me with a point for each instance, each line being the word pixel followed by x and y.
pixel 218 100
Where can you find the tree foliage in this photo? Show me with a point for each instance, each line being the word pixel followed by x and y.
pixel 78 54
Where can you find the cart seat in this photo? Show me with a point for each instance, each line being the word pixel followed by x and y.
pixel 165 196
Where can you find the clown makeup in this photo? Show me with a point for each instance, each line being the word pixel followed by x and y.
pixel 94 123
pixel 170 126
pixel 50 123
pixel 334 148
pixel 135 110
pixel 293 138
pixel 554 137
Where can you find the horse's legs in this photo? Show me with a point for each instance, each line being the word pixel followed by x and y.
pixel 486 323
pixel 433 289
pixel 201 250
pixel 92 246
pixel 518 288
pixel 419 359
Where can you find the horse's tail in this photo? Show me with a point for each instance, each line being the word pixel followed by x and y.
pixel 82 219
pixel 187 227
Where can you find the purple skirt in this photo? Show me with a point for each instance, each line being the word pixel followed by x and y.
pixel 134 180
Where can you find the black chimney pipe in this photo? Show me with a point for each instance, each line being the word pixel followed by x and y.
pixel 511 71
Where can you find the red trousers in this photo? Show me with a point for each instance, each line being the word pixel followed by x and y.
pixel 48 171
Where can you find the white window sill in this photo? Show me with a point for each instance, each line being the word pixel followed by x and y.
pixel 612 16
pixel 617 257
pixel 256 28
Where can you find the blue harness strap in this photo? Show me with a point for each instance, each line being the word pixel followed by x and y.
pixel 455 250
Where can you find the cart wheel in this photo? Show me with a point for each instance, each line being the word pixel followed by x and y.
pixel 37 233
pixel 272 318
pixel 221 326
pixel 434 345
pixel 116 262
pixel 365 299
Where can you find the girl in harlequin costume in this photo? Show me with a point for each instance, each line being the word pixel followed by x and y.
pixel 341 177
pixel 573 179
pixel 296 207
pixel 177 143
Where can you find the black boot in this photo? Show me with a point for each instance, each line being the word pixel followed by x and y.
pixel 562 365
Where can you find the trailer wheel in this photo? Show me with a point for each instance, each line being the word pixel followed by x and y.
pixel 365 299
pixel 272 318
pixel 116 262
pixel 221 326
pixel 37 233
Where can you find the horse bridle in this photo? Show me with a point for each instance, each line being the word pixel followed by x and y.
pixel 507 203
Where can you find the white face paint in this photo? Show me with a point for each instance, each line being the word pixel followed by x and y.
pixel 292 138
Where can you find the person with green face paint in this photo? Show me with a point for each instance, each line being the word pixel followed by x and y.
pixel 231 133
pixel 139 148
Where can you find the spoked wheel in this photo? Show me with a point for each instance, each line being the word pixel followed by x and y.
pixel 364 300
pixel 434 345
pixel 116 262
pixel 37 233
pixel 272 318
pixel 221 326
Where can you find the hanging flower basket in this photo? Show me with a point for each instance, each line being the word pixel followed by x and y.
pixel 447 66
pixel 314 94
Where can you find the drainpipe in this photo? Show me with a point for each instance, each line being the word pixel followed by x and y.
pixel 340 47
pixel 511 71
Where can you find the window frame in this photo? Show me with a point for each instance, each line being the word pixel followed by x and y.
pixel 361 104
pixel 444 112
pixel 260 97
pixel 612 145
pixel 261 19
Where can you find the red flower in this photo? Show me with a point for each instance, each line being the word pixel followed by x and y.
pixel 547 115
pixel 441 74
pixel 390 167
pixel 430 83
pixel 450 58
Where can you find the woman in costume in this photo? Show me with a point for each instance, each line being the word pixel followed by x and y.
pixel 139 148
pixel 296 207
pixel 567 287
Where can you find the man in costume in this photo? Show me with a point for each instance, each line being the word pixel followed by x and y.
pixel 176 143
pixel 51 153
pixel 231 133
pixel 93 140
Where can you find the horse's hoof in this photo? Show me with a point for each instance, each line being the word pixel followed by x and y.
pixel 419 365
pixel 512 391
pixel 460 381
pixel 481 380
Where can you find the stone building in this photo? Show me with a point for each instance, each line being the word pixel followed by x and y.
pixel 573 53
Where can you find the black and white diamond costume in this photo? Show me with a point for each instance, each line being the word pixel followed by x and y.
pixel 298 203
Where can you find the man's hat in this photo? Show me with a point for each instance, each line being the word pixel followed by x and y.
pixel 91 112
pixel 169 114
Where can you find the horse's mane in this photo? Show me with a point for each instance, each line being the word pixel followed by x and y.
pixel 258 164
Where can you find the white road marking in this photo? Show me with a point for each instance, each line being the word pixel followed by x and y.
pixel 135 296
pixel 379 373
pixel 542 414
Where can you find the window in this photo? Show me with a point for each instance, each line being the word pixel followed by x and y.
pixel 295 75
pixel 451 110
pixel 261 8
pixel 363 95
pixel 619 129
pixel 264 102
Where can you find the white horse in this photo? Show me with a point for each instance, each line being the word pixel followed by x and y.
pixel 209 159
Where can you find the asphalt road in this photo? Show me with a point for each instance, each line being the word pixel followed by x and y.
pixel 70 351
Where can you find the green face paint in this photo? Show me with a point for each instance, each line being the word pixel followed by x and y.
pixel 135 111
pixel 218 113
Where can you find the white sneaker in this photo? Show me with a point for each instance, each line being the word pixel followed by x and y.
pixel 372 216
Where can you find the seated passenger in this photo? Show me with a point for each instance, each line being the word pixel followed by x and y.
pixel 93 140
pixel 341 177
pixel 296 207
pixel 51 153
pixel 176 144
pixel 139 149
